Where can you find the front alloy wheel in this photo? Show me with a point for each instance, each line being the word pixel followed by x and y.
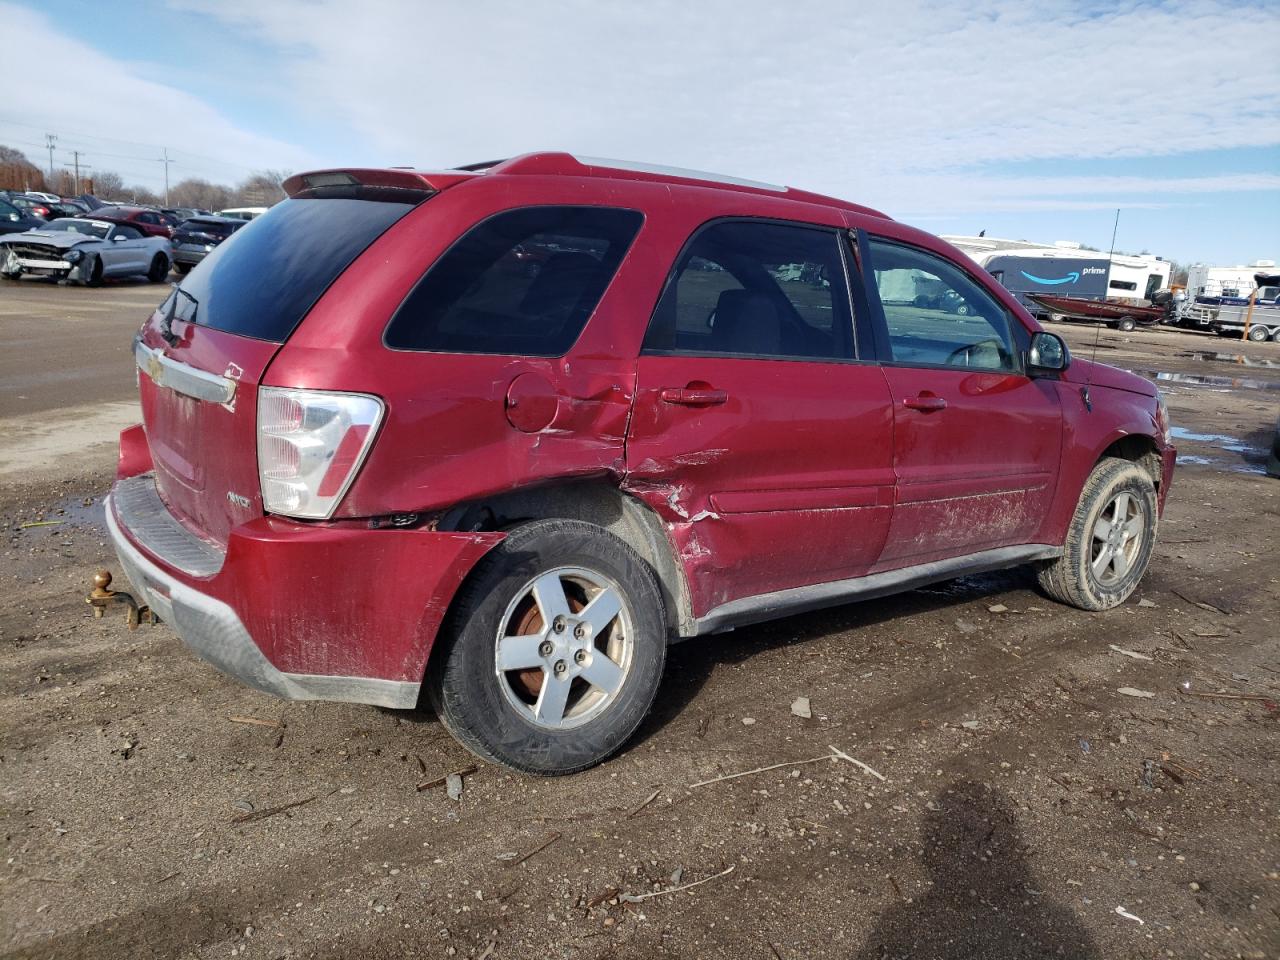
pixel 1110 540
pixel 1117 539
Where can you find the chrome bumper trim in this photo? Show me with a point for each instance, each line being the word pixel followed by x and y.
pixel 216 634
pixel 182 377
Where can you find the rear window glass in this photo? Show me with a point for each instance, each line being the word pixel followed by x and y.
pixel 522 282
pixel 264 278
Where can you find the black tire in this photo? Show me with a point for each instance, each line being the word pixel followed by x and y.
pixel 182 269
pixel 1126 324
pixel 159 268
pixel 95 274
pixel 480 706
pixel 11 276
pixel 1259 334
pixel 1072 578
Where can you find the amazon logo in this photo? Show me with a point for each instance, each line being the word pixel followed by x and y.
pixel 1072 277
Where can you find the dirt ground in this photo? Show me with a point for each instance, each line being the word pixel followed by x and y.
pixel 1028 808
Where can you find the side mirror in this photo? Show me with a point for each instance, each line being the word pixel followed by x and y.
pixel 118 237
pixel 1048 353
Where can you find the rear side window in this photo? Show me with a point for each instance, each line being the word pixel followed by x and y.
pixel 264 278
pixel 522 282
pixel 756 289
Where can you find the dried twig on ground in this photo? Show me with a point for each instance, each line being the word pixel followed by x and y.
pixel 643 803
pixel 1201 604
pixel 1229 696
pixel 536 850
pixel 255 721
pixel 269 811
pixel 1128 653
pixel 428 784
pixel 636 898
pixel 836 751
pixel 747 773
pixel 606 894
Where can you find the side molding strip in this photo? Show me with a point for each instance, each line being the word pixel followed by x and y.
pixel 767 606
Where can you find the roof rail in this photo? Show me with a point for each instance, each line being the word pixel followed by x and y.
pixel 568 163
pixel 559 163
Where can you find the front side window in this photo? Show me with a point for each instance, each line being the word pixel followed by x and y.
pixel 128 233
pixel 1123 285
pixel 756 289
pixel 524 282
pixel 936 315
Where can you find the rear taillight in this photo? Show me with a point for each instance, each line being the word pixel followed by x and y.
pixel 310 447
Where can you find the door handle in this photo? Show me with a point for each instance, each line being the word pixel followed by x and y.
pixel 926 402
pixel 693 396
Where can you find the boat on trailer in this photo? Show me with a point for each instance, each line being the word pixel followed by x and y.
pixel 1123 316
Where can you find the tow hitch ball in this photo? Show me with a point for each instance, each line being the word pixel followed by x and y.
pixel 102 596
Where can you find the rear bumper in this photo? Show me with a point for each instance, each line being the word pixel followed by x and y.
pixel 300 611
pixel 185 255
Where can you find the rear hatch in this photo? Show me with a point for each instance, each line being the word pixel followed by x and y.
pixel 203 232
pixel 203 353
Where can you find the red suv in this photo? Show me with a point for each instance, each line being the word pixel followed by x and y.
pixel 505 432
pixel 153 223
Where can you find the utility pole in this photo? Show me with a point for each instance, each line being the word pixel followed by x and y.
pixel 49 140
pixel 166 161
pixel 75 154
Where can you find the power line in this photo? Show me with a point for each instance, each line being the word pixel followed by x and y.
pixel 133 143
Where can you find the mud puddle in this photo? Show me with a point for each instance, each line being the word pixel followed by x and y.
pixel 1206 380
pixel 1223 442
pixel 1216 356
pixel 81 510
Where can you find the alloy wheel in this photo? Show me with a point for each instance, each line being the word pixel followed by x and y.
pixel 564 647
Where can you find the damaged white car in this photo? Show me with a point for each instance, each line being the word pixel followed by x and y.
pixel 84 251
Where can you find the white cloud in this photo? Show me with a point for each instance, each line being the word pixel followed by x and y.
pixel 54 82
pixel 890 104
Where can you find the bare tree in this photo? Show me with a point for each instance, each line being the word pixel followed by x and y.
pixel 262 189
pixel 17 172
pixel 201 194
pixel 107 184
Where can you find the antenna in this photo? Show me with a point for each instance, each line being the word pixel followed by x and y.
pixel 1097 327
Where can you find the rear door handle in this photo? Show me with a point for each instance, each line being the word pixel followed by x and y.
pixel 926 402
pixel 693 397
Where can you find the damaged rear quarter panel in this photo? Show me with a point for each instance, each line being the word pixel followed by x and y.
pixel 345 600
pixel 447 436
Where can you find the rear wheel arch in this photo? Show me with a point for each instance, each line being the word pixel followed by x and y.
pixel 601 504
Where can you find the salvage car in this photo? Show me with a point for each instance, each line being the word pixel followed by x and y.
pixel 153 223
pixel 13 219
pixel 499 435
pixel 83 251
pixel 197 236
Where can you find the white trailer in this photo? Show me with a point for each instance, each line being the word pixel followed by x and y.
pixel 1064 268
pixel 1206 281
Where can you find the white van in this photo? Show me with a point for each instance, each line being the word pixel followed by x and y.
pixel 243 213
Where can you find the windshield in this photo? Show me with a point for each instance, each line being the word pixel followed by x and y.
pixel 90 228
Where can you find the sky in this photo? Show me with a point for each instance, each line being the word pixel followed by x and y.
pixel 1029 119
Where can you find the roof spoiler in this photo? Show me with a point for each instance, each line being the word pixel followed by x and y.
pixel 405 186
